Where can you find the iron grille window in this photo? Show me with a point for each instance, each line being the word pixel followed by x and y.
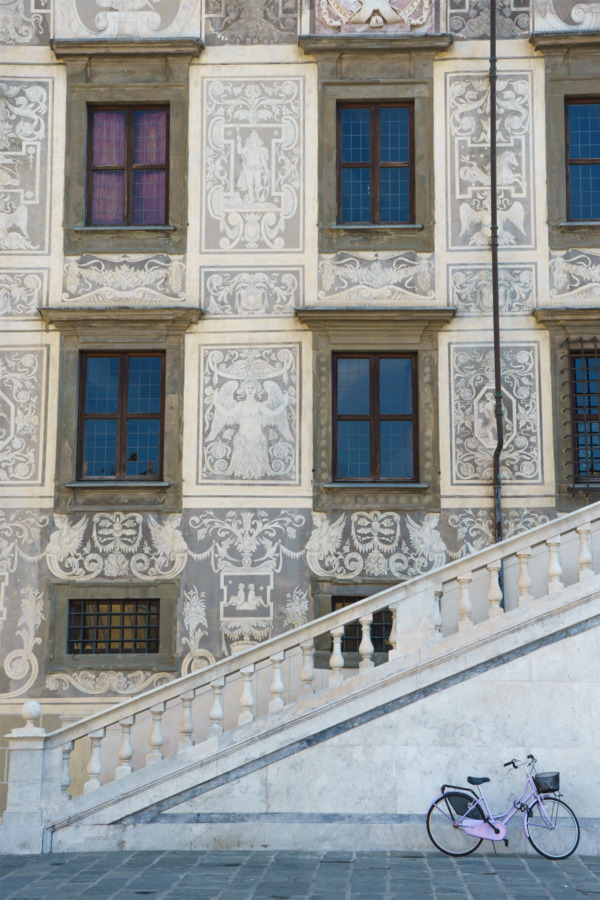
pixel 375 163
pixel 583 159
pixel 381 628
pixel 113 626
pixel 127 179
pixel 585 413
pixel 375 417
pixel 121 408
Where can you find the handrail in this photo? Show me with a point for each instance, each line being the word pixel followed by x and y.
pixel 195 681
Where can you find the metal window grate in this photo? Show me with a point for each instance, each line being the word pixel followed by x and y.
pixel 113 626
pixel 381 628
pixel 584 395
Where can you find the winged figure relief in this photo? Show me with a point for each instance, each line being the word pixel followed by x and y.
pixel 67 539
pixel 478 222
pixel 167 539
pixel 426 540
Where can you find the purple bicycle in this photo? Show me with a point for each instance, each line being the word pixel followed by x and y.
pixel 459 820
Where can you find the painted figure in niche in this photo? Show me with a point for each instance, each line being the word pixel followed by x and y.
pixel 249 457
pixel 254 180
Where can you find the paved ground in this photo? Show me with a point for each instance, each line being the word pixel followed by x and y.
pixel 246 875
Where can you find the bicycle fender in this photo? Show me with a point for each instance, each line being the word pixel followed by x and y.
pixel 485 830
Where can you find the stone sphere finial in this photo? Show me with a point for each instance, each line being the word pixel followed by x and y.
pixel 31 710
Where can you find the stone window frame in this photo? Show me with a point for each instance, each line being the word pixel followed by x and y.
pixel 376 330
pixel 379 69
pixel 125 73
pixel 164 660
pixel 157 329
pixel 572 71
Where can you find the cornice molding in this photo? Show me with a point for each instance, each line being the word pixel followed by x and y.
pixel 139 322
pixel 68 49
pixel 317 44
pixel 361 317
pixel 564 40
pixel 569 318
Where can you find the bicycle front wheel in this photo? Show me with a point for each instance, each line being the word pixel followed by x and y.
pixel 553 831
pixel 443 827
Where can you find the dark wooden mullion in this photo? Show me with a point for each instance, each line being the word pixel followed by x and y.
pixel 122 419
pixel 374 410
pixel 375 185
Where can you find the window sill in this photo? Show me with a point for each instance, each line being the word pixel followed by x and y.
pixel 384 485
pixel 408 228
pixel 579 225
pixel 96 485
pixel 126 229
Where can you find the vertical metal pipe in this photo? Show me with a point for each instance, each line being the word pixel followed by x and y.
pixel 495 287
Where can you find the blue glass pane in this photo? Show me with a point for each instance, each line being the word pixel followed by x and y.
pixel 393 135
pixel 587 439
pixel 102 384
pixel 356 195
pixel 143 446
pixel 395 195
pixel 100 448
pixel 586 378
pixel 354 450
pixel 395 387
pixel 356 135
pixel 144 384
pixel 353 387
pixel 584 130
pixel 396 449
pixel 585 192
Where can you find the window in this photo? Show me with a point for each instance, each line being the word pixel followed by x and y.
pixel 375 163
pixel 113 626
pixel 127 166
pixel 381 628
pixel 583 159
pixel 374 407
pixel 121 415
pixel 585 412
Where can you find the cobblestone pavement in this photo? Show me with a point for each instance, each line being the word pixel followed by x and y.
pixel 284 875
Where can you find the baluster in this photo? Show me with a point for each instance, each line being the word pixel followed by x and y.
pixel 336 660
pixel 156 739
pixel 246 697
pixel 554 567
pixel 277 686
pixel 217 713
pixel 65 781
pixel 437 614
pixel 125 752
pixel 465 607
pixel 186 726
pixel 366 647
pixel 494 594
pixel 585 552
pixel 395 631
pixel 94 766
pixel 307 672
pixel 524 579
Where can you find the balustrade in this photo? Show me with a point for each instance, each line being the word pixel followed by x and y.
pixel 156 739
pixel 465 607
pixel 125 752
pixel 65 780
pixel 247 697
pixel 336 660
pixel 585 552
pixel 94 766
pixel 554 567
pixel 277 686
pixel 217 713
pixel 495 592
pixel 366 648
pixel 524 580
pixel 186 726
pixel 307 672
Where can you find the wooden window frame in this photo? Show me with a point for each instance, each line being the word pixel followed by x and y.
pixel 594 160
pixel 586 350
pixel 115 620
pixel 375 164
pixel 121 416
pixel 375 417
pixel 129 167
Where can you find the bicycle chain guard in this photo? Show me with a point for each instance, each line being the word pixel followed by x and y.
pixel 486 830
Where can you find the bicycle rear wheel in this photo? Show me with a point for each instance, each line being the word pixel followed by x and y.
pixel 442 824
pixel 556 840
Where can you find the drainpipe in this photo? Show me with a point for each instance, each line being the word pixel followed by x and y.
pixel 495 288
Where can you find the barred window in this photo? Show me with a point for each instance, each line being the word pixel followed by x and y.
pixel 381 628
pixel 584 359
pixel 113 626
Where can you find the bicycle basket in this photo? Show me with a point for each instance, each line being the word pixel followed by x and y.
pixel 547 782
pixel 461 803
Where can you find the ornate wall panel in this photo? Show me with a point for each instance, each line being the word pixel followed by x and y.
pixel 249 405
pixel 565 15
pixel 472 404
pixel 123 279
pixel 251 21
pixel 127 19
pixel 253 164
pixel 374 16
pixel 470 19
pixel 470 288
pixel 25 22
pixel 22 292
pixel 378 277
pixel 252 291
pixel 25 106
pixel 468 204
pixel 575 277
pixel 23 398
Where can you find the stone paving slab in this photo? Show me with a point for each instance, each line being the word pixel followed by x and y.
pixel 272 875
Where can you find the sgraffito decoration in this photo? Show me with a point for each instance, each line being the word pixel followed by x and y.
pixel 22 415
pixel 24 108
pixel 378 277
pixel 251 292
pixel 469 218
pixel 124 279
pixel 196 624
pixel 470 19
pixel 575 276
pixel 251 21
pixel 473 405
pixel 470 288
pixel 249 414
pixel 253 177
pixel 127 19
pixel 22 292
pixel 566 15
pixel 373 16
pixel 296 608
pixel 475 527
pixel 107 682
pixel 25 21
pixel 22 663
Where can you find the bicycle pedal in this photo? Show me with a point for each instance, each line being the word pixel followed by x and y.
pixel 506 842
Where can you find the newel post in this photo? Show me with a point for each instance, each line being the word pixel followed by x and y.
pixel 22 828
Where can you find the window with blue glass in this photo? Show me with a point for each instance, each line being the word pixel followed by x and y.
pixel 375 164
pixel 375 417
pixel 583 159
pixel 121 401
pixel 585 413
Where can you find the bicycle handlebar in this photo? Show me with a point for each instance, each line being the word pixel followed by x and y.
pixel 515 762
pixel 511 762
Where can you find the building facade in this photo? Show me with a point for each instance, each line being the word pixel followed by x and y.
pixel 246 366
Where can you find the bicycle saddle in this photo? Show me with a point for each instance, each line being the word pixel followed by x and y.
pixel 473 780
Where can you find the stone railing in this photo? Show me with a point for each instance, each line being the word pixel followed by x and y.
pixel 234 691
